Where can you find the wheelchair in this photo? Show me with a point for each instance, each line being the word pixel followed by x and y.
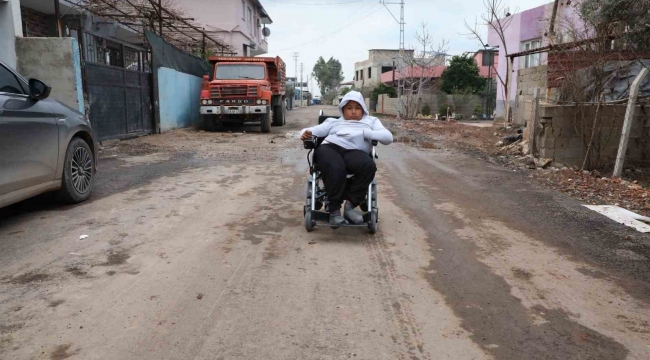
pixel 316 212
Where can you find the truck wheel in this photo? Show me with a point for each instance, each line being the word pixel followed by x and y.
pixel 277 116
pixel 211 123
pixel 266 122
pixel 78 171
pixel 284 116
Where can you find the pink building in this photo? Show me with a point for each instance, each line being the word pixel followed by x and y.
pixel 527 30
pixel 239 23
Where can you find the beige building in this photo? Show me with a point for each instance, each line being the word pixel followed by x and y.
pixel 239 23
pixel 368 72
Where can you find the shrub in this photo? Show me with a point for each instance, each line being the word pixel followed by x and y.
pixel 478 109
pixel 426 110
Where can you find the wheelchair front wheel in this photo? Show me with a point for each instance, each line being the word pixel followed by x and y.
pixel 309 224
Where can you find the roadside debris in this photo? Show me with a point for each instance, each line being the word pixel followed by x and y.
pixel 622 216
pixel 508 147
pixel 199 296
pixel 82 237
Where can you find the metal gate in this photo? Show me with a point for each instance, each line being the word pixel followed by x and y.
pixel 118 87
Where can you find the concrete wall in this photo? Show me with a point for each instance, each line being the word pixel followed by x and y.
pixel 178 95
pixel 561 139
pixel 527 81
pixel 10 28
pixel 61 68
pixel 388 106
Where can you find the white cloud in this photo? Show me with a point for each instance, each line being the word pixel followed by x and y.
pixel 296 27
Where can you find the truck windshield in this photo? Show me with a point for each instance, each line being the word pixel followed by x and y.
pixel 236 72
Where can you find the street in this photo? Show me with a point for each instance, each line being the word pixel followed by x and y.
pixel 196 249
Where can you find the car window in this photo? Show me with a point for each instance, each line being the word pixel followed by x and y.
pixel 9 83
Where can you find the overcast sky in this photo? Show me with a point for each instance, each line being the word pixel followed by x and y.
pixel 347 29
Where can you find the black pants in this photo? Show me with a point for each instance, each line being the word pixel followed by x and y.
pixel 335 163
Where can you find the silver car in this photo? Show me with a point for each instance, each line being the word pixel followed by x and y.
pixel 44 144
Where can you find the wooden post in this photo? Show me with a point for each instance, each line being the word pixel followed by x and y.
pixel 203 55
pixel 627 125
pixel 57 16
pixel 509 67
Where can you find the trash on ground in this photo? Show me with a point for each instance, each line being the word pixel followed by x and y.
pixel 83 237
pixel 623 216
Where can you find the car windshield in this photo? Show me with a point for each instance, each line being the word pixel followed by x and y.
pixel 236 72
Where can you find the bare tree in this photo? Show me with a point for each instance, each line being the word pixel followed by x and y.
pixel 498 18
pixel 418 72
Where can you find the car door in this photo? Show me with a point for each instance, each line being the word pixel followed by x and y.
pixel 28 136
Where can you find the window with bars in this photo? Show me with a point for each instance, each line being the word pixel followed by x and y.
pixel 98 50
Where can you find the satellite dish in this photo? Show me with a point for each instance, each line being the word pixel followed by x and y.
pixel 266 32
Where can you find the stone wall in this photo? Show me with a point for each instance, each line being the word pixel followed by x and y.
pixel 61 68
pixel 527 81
pixel 561 136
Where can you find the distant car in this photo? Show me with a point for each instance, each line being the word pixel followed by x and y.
pixel 44 144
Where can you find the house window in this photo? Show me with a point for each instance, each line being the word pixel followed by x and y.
pixel 532 60
pixel 356 75
pixel 369 73
pixel 385 69
pixel 361 74
pixel 250 21
pixel 488 58
pixel 243 10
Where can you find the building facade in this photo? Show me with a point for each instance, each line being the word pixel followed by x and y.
pixel 380 61
pixel 527 30
pixel 239 23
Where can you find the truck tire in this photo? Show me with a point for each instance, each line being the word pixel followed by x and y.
pixel 211 123
pixel 279 114
pixel 266 122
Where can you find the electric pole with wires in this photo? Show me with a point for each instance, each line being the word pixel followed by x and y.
pixel 295 59
pixel 302 96
pixel 400 61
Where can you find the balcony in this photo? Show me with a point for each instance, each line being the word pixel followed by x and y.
pixel 261 48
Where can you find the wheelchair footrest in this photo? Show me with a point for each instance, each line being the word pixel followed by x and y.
pixel 322 219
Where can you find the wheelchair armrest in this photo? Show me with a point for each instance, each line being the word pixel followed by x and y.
pixel 375 143
pixel 309 144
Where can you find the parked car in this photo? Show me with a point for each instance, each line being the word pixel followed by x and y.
pixel 44 144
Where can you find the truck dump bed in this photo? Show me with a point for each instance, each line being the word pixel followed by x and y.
pixel 276 68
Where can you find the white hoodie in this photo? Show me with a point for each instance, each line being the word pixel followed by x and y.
pixel 352 134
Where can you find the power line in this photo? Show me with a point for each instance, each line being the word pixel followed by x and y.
pixel 332 33
pixel 300 3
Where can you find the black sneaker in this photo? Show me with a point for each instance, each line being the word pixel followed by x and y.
pixel 352 215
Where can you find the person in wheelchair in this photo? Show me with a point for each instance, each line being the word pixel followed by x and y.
pixel 345 151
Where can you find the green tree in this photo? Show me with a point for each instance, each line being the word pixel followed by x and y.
pixel 382 89
pixel 462 76
pixel 346 90
pixel 328 74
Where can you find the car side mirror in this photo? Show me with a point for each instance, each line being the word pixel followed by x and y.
pixel 39 90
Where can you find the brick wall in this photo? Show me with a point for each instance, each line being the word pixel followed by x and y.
pixel 35 24
pixel 561 63
pixel 388 106
pixel 562 138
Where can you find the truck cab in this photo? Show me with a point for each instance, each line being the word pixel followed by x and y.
pixel 244 90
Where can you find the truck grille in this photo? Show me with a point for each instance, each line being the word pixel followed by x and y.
pixel 225 91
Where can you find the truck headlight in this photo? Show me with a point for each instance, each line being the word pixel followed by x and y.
pixel 210 102
pixel 204 102
pixel 263 102
pixel 259 101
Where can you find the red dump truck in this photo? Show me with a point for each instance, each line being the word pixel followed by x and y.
pixel 244 90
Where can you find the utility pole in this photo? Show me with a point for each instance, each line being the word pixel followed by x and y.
pixel 400 61
pixel 302 96
pixel 295 59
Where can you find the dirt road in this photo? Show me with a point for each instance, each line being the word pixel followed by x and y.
pixel 196 250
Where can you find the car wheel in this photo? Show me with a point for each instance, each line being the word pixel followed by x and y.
pixel 78 172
